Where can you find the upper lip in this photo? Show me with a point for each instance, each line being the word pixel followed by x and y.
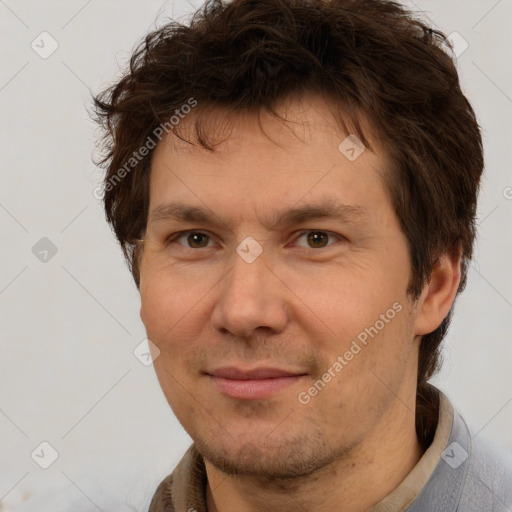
pixel 231 372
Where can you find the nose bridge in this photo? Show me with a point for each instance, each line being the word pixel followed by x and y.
pixel 250 296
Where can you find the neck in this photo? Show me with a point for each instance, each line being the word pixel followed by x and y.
pixel 359 480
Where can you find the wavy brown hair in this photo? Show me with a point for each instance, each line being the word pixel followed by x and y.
pixel 373 59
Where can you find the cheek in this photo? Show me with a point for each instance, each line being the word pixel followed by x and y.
pixel 167 293
pixel 342 300
pixel 364 314
pixel 372 373
pixel 175 311
pixel 170 319
pixel 166 308
pixel 389 353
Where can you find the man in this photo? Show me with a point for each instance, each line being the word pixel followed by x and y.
pixel 294 186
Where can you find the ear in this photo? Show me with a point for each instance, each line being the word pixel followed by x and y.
pixel 439 293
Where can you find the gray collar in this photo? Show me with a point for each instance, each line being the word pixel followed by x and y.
pixel 443 490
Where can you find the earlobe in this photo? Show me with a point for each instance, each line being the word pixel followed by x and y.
pixel 439 293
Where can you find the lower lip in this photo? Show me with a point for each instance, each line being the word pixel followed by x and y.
pixel 254 389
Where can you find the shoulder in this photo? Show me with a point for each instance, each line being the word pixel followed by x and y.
pixel 489 478
pixel 471 475
pixel 184 488
pixel 162 499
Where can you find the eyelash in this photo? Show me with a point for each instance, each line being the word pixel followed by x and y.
pixel 182 234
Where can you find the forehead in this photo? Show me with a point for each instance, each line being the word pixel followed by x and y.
pixel 295 119
pixel 261 161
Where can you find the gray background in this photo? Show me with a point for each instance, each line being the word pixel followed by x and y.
pixel 69 324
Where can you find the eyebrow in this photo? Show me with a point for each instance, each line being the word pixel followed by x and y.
pixel 326 209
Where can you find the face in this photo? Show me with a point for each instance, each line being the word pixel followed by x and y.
pixel 282 351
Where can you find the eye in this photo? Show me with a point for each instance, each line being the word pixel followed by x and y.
pixel 192 239
pixel 316 239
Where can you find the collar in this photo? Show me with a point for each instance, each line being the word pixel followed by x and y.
pixel 435 483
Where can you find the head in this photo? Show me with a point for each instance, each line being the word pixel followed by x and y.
pixel 236 126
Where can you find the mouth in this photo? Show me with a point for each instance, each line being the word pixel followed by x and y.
pixel 254 384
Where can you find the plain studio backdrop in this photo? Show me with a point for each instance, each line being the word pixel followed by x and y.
pixel 70 311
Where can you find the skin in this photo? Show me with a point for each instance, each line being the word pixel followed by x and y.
pixel 298 306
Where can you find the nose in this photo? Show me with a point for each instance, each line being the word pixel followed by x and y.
pixel 250 298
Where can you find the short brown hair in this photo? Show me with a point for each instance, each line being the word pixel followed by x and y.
pixel 370 57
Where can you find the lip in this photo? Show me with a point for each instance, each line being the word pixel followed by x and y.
pixel 262 372
pixel 255 384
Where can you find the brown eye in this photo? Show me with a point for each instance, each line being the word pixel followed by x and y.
pixel 317 239
pixel 191 239
pixel 314 239
pixel 197 240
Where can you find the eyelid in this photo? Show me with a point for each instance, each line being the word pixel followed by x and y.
pixel 296 236
pixel 180 234
pixel 327 232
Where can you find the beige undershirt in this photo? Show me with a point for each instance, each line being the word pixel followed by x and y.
pixel 189 478
pixel 403 495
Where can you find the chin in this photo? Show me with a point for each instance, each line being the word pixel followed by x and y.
pixel 288 459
